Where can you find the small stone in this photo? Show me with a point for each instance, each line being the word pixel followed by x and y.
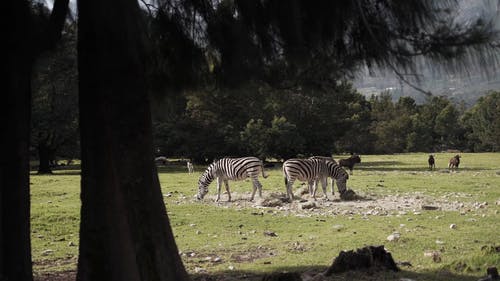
pixel 217 259
pixel 394 237
pixel 47 252
pixel 71 244
pixel 192 225
pixel 453 226
pixel 308 205
pixel 231 267
pixel 198 232
pixel 270 233
pixel 439 242
pixel 200 270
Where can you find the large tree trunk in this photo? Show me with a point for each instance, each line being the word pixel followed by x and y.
pixel 45 158
pixel 124 233
pixel 15 247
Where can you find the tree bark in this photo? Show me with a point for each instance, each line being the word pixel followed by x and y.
pixel 44 157
pixel 15 246
pixel 125 233
pixel 21 48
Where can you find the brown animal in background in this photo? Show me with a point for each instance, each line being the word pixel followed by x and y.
pixel 454 162
pixel 431 162
pixel 349 162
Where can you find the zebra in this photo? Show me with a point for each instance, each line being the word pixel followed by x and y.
pixel 431 162
pixel 349 162
pixel 313 171
pixel 231 169
pixel 325 158
pixel 454 162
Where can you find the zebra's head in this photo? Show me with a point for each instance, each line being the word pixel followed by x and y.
pixel 204 182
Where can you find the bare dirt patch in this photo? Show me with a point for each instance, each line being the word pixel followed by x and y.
pixel 366 204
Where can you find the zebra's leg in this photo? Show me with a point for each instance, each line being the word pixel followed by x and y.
pixel 310 185
pixel 289 186
pixel 256 185
pixel 314 188
pixel 218 189
pixel 333 186
pixel 227 189
pixel 324 184
pixel 259 186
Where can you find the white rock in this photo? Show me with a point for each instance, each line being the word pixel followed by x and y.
pixel 394 237
pixel 453 226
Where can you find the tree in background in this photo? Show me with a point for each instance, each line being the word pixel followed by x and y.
pixel 55 103
pixel 482 123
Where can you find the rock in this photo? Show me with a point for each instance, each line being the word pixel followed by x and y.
pixel 230 267
pixel 47 252
pixel 200 270
pixel 436 256
pixel 307 205
pixel 270 233
pixel 71 244
pixel 428 207
pixel 453 226
pixel 394 237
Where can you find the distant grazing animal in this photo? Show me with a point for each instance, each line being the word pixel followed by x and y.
pixel 235 169
pixel 454 162
pixel 190 167
pixel 313 171
pixel 349 162
pixel 431 162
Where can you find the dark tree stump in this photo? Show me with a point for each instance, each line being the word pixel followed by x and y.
pixel 367 257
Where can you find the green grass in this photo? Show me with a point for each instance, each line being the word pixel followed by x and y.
pixel 234 232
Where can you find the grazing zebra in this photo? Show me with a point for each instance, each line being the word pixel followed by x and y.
pixel 454 162
pixel 231 169
pixel 313 171
pixel 190 167
pixel 431 162
pixel 349 162
pixel 325 158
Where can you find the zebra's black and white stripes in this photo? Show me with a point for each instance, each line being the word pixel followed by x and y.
pixel 235 169
pixel 312 171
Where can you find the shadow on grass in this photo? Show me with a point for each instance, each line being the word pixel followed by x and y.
pixel 308 273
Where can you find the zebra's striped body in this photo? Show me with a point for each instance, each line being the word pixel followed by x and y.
pixel 313 171
pixel 235 169
pixel 330 159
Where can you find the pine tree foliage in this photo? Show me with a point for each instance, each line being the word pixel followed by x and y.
pixel 310 41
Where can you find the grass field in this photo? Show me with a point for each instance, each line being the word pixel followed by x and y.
pixel 244 240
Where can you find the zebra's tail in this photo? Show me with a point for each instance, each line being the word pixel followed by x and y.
pixel 262 166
